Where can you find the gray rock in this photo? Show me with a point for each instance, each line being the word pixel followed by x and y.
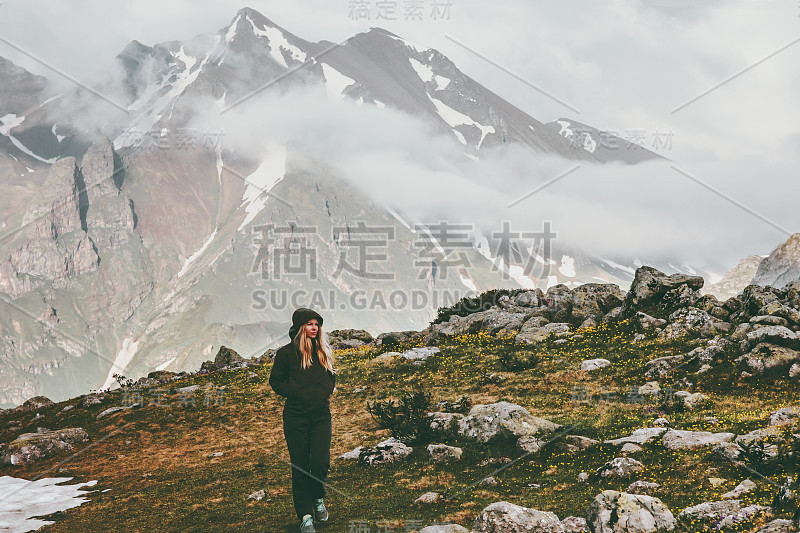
pixel 639 436
pixel 227 357
pixel 642 487
pixel 575 524
pixel 767 356
pixel 442 453
pixel 530 444
pixel 502 420
pixel 663 366
pixel 779 526
pixel 257 496
pixel 428 497
pixel 594 300
pixel 444 528
pixel 630 447
pixel 419 354
pixel 505 517
pixel 594 364
pixel 784 416
pixel 620 467
pixel 388 451
pixel 30 447
pixel 677 439
pixel 650 285
pixel 720 514
pixel 612 512
pixel 741 489
pixel 777 335
pixel 115 409
pixel 352 454
pixel 443 423
pixel 651 388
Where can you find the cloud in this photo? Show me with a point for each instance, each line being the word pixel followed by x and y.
pixel 625 64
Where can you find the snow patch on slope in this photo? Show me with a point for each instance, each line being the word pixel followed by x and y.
pixel 121 361
pixel 335 82
pixel 455 118
pixel 260 182
pixel 22 500
pixel 278 42
pixel 197 253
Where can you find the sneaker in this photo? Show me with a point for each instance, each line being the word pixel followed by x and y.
pixel 319 510
pixel 307 525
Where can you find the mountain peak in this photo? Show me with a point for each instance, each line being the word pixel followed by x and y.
pixel 255 16
pixel 782 266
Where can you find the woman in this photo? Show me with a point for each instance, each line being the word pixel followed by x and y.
pixel 303 372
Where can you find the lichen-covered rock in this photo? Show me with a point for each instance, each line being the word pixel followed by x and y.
pixel 502 420
pixel 29 447
pixel 594 364
pixel 505 517
pixel 766 356
pixel 777 335
pixel 678 439
pixel 442 453
pixel 594 300
pixel 650 285
pixel 722 514
pixel 618 512
pixel 390 450
pixel 443 423
pixel 620 467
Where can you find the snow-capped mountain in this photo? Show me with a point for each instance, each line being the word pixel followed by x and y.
pixel 130 245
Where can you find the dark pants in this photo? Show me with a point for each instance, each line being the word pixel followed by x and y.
pixel 308 438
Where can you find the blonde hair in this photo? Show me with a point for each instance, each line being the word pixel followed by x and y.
pixel 306 346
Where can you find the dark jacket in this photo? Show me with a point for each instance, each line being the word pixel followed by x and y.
pixel 308 390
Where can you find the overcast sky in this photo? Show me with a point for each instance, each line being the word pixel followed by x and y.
pixel 616 65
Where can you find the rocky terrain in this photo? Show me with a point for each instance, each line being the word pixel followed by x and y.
pixel 586 409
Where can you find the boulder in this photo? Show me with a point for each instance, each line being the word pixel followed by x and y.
pixel 390 450
pixel 662 366
pixel 650 285
pixel 741 489
pixel 572 444
pixel 29 447
pixel 529 444
pixel 35 403
pixel 642 487
pixel 777 335
pixel 678 439
pixel 724 514
pixel 444 528
pixel 766 356
pixel 502 420
pixel 227 357
pixel 559 300
pixel 575 524
pixel 639 436
pixel 419 354
pixel 428 497
pixel 779 526
pixel 505 517
pixel 620 467
pixel 443 423
pixel 612 512
pixel 594 300
pixel 594 364
pixel 784 416
pixel 442 453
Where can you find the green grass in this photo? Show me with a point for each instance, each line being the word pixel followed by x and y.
pixel 156 459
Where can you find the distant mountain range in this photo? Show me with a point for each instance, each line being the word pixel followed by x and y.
pixel 139 244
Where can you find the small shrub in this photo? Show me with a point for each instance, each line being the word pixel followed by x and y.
pixel 406 418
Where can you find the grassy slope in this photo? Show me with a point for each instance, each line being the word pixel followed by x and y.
pixel 156 460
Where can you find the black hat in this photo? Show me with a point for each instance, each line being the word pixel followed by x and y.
pixel 300 317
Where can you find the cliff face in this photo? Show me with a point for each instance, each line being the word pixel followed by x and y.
pixel 782 266
pixel 736 279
